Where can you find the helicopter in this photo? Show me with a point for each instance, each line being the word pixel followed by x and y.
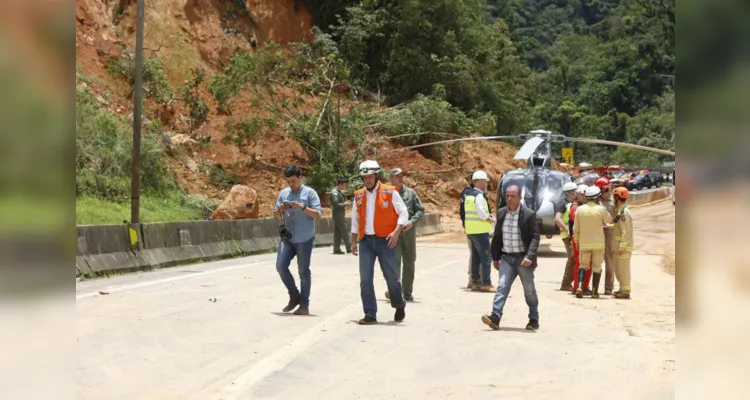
pixel 541 187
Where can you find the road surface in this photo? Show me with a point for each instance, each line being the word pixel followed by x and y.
pixel 156 335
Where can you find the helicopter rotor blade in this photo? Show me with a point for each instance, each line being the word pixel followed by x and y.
pixel 452 141
pixel 528 148
pixel 622 144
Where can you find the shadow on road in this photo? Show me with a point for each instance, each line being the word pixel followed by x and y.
pixel 389 323
pixel 291 314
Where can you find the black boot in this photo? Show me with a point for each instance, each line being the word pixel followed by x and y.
pixel 581 275
pixel 595 285
pixel 293 302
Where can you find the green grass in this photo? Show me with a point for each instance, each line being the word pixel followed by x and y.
pixel 170 208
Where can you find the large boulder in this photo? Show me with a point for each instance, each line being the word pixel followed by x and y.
pixel 241 203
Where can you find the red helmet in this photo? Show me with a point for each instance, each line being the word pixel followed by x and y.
pixel 602 182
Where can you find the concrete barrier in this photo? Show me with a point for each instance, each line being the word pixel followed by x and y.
pixel 103 249
pixel 648 196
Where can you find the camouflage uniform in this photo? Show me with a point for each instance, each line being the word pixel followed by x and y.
pixel 407 241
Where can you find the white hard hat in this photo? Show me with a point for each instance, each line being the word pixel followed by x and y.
pixel 479 175
pixel 593 191
pixel 581 189
pixel 568 186
pixel 369 167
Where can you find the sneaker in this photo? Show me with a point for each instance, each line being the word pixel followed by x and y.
pixel 368 320
pixel 532 325
pixel 492 320
pixel 400 314
pixel 293 302
pixel 302 311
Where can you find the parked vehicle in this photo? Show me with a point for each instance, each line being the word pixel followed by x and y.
pixel 646 181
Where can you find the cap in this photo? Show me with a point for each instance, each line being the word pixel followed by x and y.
pixel 397 171
pixel 341 180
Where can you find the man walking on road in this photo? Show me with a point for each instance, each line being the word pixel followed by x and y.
pixel 623 232
pixel 562 217
pixel 514 247
pixel 378 216
pixel 478 225
pixel 338 204
pixel 588 231
pixel 609 235
pixel 407 242
pixel 299 207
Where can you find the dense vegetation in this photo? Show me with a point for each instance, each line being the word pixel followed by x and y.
pixel 585 68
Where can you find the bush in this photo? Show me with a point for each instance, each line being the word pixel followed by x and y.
pixel 104 151
pixel 155 84
pixel 245 132
pixel 197 108
pixel 220 177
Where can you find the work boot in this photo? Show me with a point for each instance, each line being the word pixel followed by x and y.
pixel 581 275
pixel 293 302
pixel 487 288
pixel 400 314
pixel 408 297
pixel 622 295
pixel 492 320
pixel 302 311
pixel 607 292
pixel 532 325
pixel 595 284
pixel 338 252
pixel 368 320
pixel 587 292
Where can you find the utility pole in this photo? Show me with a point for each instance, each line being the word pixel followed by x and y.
pixel 135 172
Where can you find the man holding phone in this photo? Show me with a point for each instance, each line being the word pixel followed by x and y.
pixel 298 206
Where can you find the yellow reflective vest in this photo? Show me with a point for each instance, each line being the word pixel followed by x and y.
pixel 473 224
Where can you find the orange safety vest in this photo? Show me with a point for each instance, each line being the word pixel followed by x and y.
pixel 386 218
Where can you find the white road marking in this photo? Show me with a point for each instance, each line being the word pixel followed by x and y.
pixel 115 289
pixel 282 357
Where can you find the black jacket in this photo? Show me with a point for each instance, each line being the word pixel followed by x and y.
pixel 529 225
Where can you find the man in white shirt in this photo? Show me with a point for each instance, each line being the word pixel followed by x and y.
pixel 378 216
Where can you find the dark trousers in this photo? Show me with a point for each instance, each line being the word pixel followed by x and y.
pixel 480 257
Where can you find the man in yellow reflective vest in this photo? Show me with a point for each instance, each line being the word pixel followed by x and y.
pixel 623 244
pixel 478 224
pixel 562 216
pixel 588 231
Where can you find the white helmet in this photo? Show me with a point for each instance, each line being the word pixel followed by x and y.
pixel 568 186
pixel 369 167
pixel 479 175
pixel 581 189
pixel 593 192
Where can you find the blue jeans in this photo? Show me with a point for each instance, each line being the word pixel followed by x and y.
pixel 510 267
pixel 480 258
pixel 285 255
pixel 371 247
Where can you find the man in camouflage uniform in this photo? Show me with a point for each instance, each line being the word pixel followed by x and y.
pixel 407 242
pixel 340 231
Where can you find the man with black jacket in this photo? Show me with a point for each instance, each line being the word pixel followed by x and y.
pixel 513 249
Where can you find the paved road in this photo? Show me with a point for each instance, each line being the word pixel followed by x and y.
pixel 157 336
